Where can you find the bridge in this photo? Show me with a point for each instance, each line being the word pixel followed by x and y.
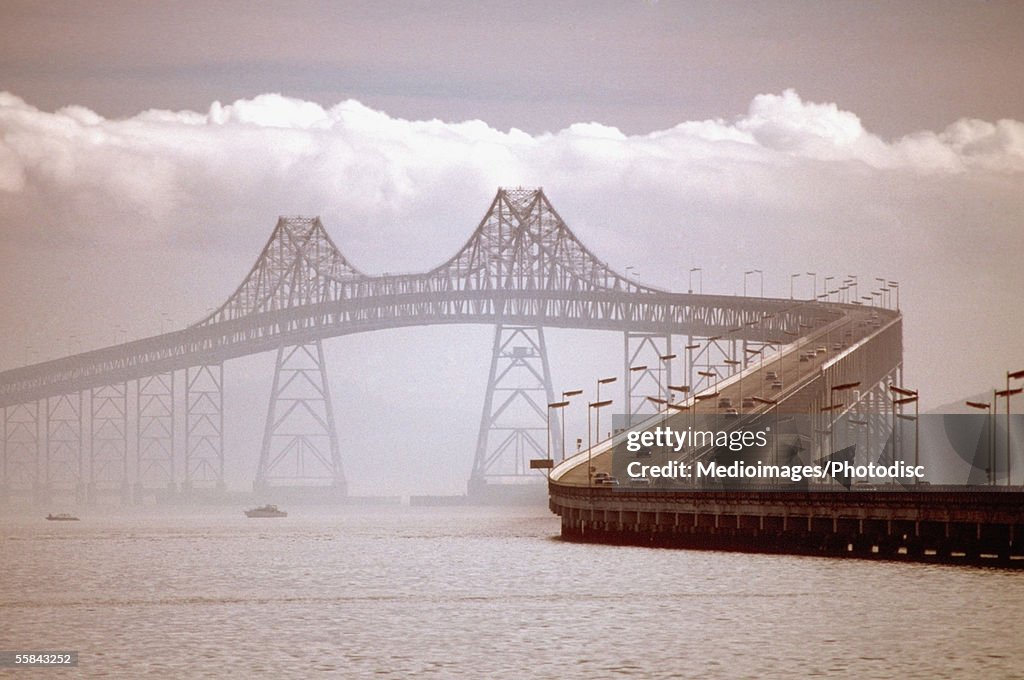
pixel 105 421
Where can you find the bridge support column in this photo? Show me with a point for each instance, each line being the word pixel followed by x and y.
pixel 646 375
pixel 65 462
pixel 154 433
pixel 21 447
pixel 514 423
pixel 204 427
pixel 108 464
pixel 300 441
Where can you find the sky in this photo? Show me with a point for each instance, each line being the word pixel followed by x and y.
pixel 146 150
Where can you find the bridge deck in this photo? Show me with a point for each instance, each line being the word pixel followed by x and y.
pixel 797 395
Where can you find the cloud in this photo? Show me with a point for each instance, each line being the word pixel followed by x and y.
pixel 155 163
pixel 789 186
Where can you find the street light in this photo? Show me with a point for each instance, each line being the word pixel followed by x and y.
pixel 590 448
pixel 775 436
pixel 710 374
pixel 896 285
pixel 814 284
pixel 665 358
pixel 867 440
pixel 629 393
pixel 1010 375
pixel 548 464
pixel 882 288
pixel 831 428
pixel 760 357
pixel 990 463
pixel 753 271
pixel 658 403
pixel 682 389
pixel 734 363
pixel 689 359
pixel 700 279
pixel 602 381
pixel 908 397
pixel 791 279
pixel 568 394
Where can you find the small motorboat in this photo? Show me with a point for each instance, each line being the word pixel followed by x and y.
pixel 61 517
pixel 266 511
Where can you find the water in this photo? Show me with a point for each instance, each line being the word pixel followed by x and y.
pixel 476 593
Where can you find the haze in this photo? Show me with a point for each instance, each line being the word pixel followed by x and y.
pixel 145 159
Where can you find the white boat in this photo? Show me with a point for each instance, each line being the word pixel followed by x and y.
pixel 266 511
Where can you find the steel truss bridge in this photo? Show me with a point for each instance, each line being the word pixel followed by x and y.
pixel 149 414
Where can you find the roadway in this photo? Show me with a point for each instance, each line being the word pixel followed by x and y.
pixel 780 377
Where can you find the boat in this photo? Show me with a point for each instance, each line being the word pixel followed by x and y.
pixel 266 511
pixel 61 517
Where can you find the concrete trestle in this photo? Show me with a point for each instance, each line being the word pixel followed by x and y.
pixel 942 524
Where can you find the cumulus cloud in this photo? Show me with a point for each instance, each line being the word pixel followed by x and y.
pixel 789 186
pixel 349 157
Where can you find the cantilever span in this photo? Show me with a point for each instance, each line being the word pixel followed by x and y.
pixel 521 270
pixel 522 265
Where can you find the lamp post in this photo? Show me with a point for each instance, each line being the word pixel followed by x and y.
pixel 775 436
pixel 814 284
pixel 824 288
pixel 700 279
pixel 598 405
pixel 709 375
pixel 682 389
pixel 699 398
pixel 907 397
pixel 734 363
pixel 882 290
pixel 568 394
pixel 867 443
pixel 561 406
pixel 689 359
pixel 629 393
pixel 753 271
pixel 760 360
pixel 1007 393
pixel 1010 375
pixel 658 404
pixel 990 463
pixel 665 359
pixel 831 429
pixel 895 285
pixel 603 381
pixel 911 400
pixel 792 277
pixel 842 388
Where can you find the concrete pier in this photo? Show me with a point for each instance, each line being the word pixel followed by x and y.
pixel 941 524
